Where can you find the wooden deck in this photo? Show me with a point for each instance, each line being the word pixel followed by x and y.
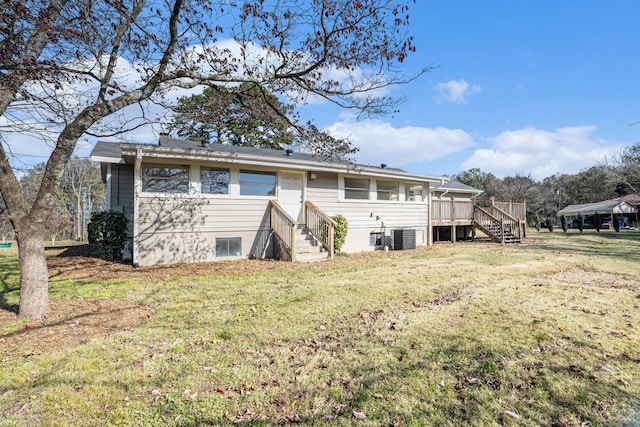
pixel 453 219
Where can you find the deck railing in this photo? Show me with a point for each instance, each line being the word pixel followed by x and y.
pixel 284 227
pixel 488 223
pixel 320 225
pixel 516 210
pixel 451 210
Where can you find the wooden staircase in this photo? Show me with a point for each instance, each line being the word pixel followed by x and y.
pixel 302 242
pixel 497 225
pixel 307 247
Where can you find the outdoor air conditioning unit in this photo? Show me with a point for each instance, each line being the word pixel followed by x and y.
pixel 404 238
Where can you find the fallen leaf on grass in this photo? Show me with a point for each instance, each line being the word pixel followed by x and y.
pixel 359 415
pixel 513 415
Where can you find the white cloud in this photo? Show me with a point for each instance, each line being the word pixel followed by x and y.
pixel 380 142
pixel 455 91
pixel 541 153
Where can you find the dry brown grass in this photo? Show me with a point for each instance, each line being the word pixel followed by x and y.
pixel 544 333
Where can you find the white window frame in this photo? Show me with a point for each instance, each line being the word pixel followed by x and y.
pixel 228 239
pixel 258 172
pixel 344 189
pixel 215 168
pixel 152 164
pixel 397 192
pixel 412 199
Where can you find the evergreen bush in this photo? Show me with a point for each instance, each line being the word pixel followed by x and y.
pixel 340 234
pixel 580 223
pixel 108 231
pixel 616 223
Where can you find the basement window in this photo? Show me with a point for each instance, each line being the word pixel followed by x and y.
pixel 228 247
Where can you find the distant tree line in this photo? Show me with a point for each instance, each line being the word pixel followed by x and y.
pixel 614 177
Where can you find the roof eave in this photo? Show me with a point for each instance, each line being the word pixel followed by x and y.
pixel 155 151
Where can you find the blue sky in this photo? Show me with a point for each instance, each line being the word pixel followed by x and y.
pixel 519 87
pixel 534 88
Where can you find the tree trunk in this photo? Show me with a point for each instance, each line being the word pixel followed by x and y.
pixel 34 276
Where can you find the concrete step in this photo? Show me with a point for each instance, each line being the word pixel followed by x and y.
pixel 308 249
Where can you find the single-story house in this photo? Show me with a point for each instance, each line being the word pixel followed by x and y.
pixel 186 202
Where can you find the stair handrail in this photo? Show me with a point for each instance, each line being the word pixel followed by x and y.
pixel 511 222
pixel 484 219
pixel 283 226
pixel 320 225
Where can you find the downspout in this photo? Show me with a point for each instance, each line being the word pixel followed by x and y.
pixel 108 186
pixel 137 186
pixel 430 218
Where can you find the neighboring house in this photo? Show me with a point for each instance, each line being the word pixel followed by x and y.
pixel 188 202
pixel 620 206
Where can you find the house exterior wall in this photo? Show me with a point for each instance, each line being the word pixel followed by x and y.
pixel 365 217
pixel 185 229
pixel 173 228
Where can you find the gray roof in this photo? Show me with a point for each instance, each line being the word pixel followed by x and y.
pixel 113 152
pixel 457 187
pixel 605 207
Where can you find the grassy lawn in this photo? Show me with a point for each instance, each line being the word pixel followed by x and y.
pixel 543 333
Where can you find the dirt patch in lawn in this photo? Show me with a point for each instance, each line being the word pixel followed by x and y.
pixel 596 280
pixel 70 323
pixel 68 265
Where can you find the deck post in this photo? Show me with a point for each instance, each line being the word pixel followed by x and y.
pixel 454 238
pixel 524 225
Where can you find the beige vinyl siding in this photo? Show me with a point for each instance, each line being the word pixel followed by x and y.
pixel 365 217
pixel 174 229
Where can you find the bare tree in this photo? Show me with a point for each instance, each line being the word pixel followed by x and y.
pixel 624 167
pixel 74 68
pixel 84 191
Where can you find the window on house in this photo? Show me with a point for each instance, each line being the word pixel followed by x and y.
pixel 228 246
pixel 214 180
pixel 387 190
pixel 375 239
pixel 356 188
pixel 253 183
pixel 165 178
pixel 413 192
